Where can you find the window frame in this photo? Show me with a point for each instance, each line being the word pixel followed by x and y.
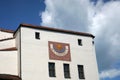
pixel 93 42
pixel 80 42
pixel 51 68
pixel 66 68
pixel 81 72
pixel 37 35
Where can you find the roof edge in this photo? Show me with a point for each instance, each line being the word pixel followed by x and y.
pixel 9 77
pixel 9 49
pixel 7 39
pixel 7 30
pixel 54 29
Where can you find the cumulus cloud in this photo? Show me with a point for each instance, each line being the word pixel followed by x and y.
pixel 102 19
pixel 110 73
pixel 105 26
pixel 67 14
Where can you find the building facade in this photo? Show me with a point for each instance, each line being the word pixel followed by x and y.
pixel 42 53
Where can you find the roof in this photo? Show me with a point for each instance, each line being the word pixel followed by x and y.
pixel 55 30
pixel 9 77
pixel 6 30
pixel 9 49
pixel 7 39
pixel 49 29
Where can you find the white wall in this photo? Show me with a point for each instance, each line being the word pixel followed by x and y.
pixel 8 59
pixel 4 35
pixel 17 44
pixel 35 55
pixel 8 62
pixel 7 44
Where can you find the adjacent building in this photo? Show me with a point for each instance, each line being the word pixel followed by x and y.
pixel 42 53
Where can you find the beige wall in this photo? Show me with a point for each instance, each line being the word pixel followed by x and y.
pixel 4 35
pixel 8 62
pixel 7 44
pixel 17 44
pixel 8 59
pixel 35 55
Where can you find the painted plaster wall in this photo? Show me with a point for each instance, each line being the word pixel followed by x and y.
pixel 35 55
pixel 8 62
pixel 18 46
pixel 7 44
pixel 4 35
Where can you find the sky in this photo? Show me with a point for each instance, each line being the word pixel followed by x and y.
pixel 99 17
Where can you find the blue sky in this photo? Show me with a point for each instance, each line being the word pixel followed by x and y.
pixel 14 12
pixel 99 17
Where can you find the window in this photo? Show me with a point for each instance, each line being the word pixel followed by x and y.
pixel 66 71
pixel 93 42
pixel 81 72
pixel 37 35
pixel 51 69
pixel 80 42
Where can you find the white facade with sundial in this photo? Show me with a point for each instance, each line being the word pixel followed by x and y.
pixel 43 53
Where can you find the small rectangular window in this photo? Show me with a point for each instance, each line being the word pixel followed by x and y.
pixel 81 72
pixel 51 69
pixel 66 71
pixel 80 42
pixel 93 42
pixel 37 35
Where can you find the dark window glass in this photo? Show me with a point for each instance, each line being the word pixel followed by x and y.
pixel 93 42
pixel 81 72
pixel 80 42
pixel 66 71
pixel 37 35
pixel 51 69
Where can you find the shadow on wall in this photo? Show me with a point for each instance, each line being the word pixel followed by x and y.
pixel 9 77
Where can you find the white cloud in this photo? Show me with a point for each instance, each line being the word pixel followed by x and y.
pixel 67 14
pixel 110 73
pixel 47 18
pixel 106 28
